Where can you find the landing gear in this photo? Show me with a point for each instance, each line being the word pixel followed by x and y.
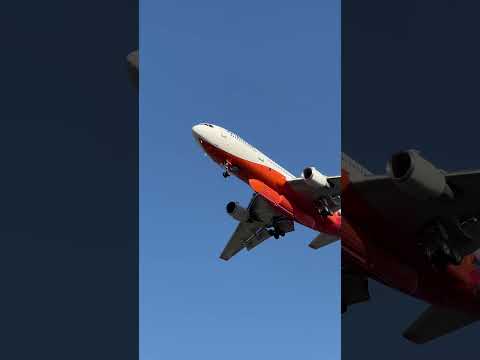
pixel 324 209
pixel 441 255
pixel 276 233
pixel 229 168
pixel 437 249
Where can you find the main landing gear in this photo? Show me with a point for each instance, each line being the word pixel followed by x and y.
pixel 225 174
pixel 323 208
pixel 436 247
pixel 276 233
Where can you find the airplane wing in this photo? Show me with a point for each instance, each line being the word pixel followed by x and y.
pixel 435 322
pixel 246 235
pixel 391 203
pixel 253 232
pixel 331 194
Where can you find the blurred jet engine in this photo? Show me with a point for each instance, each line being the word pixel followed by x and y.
pixel 418 177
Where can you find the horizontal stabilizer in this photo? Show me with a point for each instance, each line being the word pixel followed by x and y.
pixel 354 288
pixel 322 240
pixel 436 322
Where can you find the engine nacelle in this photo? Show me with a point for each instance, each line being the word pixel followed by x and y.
pixel 236 211
pixel 314 177
pixel 418 177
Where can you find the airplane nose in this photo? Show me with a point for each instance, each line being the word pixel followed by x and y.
pixel 196 131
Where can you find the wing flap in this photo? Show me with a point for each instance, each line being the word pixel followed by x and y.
pixel 241 238
pixel 259 237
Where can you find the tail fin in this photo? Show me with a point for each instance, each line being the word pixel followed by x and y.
pixel 436 322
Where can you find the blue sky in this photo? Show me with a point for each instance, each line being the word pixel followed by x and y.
pixel 269 71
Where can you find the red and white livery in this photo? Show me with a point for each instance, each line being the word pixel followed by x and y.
pixel 279 199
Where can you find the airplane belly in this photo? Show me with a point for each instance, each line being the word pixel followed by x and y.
pixel 393 272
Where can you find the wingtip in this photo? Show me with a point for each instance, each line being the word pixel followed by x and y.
pixel 413 339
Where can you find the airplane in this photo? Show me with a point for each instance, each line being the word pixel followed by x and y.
pixel 414 229
pixel 280 199
pixel 133 64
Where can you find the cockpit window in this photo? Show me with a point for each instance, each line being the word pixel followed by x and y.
pixel 209 125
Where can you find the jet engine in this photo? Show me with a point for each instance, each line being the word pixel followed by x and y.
pixel 314 177
pixel 236 211
pixel 418 177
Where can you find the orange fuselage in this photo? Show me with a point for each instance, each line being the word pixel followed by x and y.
pixel 295 206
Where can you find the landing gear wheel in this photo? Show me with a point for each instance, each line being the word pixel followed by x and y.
pixel 225 174
pixel 275 233
pixel 324 212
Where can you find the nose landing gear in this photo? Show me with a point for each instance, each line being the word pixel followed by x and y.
pixel 229 168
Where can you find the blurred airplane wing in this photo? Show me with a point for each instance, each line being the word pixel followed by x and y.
pixel 390 203
pixel 436 322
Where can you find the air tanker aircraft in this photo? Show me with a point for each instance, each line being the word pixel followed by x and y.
pixel 279 198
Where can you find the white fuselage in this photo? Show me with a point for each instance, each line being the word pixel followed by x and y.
pixel 231 143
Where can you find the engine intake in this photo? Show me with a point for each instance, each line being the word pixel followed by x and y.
pixel 236 211
pixel 314 177
pixel 418 177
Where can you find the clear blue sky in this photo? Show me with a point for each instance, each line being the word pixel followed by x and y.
pixel 269 71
